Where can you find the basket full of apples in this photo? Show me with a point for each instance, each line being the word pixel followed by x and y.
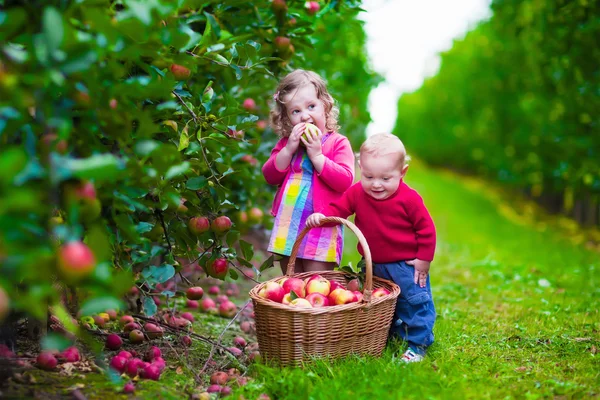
pixel 304 316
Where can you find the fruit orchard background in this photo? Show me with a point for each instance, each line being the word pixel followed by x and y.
pixel 517 100
pixel 121 120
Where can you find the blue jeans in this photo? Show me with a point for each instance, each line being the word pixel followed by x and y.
pixel 415 313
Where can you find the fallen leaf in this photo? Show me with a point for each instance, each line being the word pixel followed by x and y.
pixel 583 339
pixel 521 369
pixel 179 371
pixel 594 350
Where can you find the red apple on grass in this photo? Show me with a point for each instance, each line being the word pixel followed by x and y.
pixel 113 342
pixel 46 360
pixel 153 331
pixel 219 378
pixel 193 304
pixel 227 309
pixel 70 354
pixel 208 305
pixel 136 336
pixel 317 300
pixel 119 364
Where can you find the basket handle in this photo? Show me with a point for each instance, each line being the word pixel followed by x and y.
pixel 368 287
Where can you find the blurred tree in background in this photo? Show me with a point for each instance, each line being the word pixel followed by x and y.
pixel 517 100
pixel 122 120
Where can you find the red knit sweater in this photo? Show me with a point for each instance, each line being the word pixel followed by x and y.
pixel 397 228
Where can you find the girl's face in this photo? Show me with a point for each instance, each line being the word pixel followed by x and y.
pixel 303 105
pixel 380 176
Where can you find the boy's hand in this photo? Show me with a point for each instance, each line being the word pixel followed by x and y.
pixel 314 220
pixel 421 270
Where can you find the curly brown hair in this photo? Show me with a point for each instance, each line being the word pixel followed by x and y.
pixel 292 81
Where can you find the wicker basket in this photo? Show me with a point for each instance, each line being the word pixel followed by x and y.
pixel 290 336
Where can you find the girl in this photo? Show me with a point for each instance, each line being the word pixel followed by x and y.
pixel 310 167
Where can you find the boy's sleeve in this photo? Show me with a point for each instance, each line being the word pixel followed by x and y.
pixel 272 175
pixel 342 207
pixel 423 226
pixel 338 171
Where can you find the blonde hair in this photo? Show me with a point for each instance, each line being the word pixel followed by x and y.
pixel 289 84
pixel 385 144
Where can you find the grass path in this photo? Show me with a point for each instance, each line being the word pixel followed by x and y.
pixel 517 301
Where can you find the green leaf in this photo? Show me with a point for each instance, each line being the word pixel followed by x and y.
pixel 158 274
pixel 150 307
pixel 293 295
pixel 177 170
pixel 247 250
pixel 244 262
pixel 184 140
pixel 146 147
pixel 196 183
pixel 232 237
pixel 268 263
pixel 98 167
pixel 54 341
pixel 101 304
pixel 52 27
pixel 233 273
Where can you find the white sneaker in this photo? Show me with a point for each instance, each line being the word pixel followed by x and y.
pixel 410 356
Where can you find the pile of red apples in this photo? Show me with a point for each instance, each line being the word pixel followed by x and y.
pixel 314 292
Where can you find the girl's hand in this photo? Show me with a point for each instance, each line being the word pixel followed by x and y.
pixel 294 138
pixel 314 220
pixel 421 271
pixel 312 141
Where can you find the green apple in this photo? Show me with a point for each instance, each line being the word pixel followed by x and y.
pixel 310 129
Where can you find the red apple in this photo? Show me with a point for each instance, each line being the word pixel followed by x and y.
pixel 221 224
pixel 279 7
pixel 287 299
pixel 119 364
pixel 310 278
pixel 131 326
pixel 282 43
pixel 341 296
pixel 219 378
pixel 188 316
pixel 136 336
pixel 113 342
pixel 159 363
pixel 317 300
pixel 358 296
pixel 180 72
pixel 312 7
pixel 354 285
pixel 129 388
pixel 153 331
pixel 125 354
pixel 151 372
pixel 294 284
pixel 53 143
pixel 133 366
pixel 318 285
pixel 247 158
pixel 239 341
pixel 46 360
pixel 255 215
pixel 380 292
pixel 112 314
pixel 207 305
pixel 70 354
pixel 217 268
pixel 301 303
pixel 152 353
pixel 98 320
pixel 227 309
pixel 214 290
pixel 187 341
pixel 113 103
pixel 75 260
pixel 193 304
pixel 195 293
pixel 335 285
pixel 249 104
pixel 272 291
pixel 198 225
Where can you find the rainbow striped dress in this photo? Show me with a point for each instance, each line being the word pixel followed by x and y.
pixel 320 244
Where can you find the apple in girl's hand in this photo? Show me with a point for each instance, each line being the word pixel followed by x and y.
pixel 295 284
pixel 341 296
pixel 318 285
pixel 272 291
pixel 317 300
pixel 301 303
pixel 309 130
pixel 380 292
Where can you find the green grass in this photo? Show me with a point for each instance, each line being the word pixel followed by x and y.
pixel 517 300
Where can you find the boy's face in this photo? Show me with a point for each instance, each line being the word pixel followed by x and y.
pixel 380 175
pixel 303 105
